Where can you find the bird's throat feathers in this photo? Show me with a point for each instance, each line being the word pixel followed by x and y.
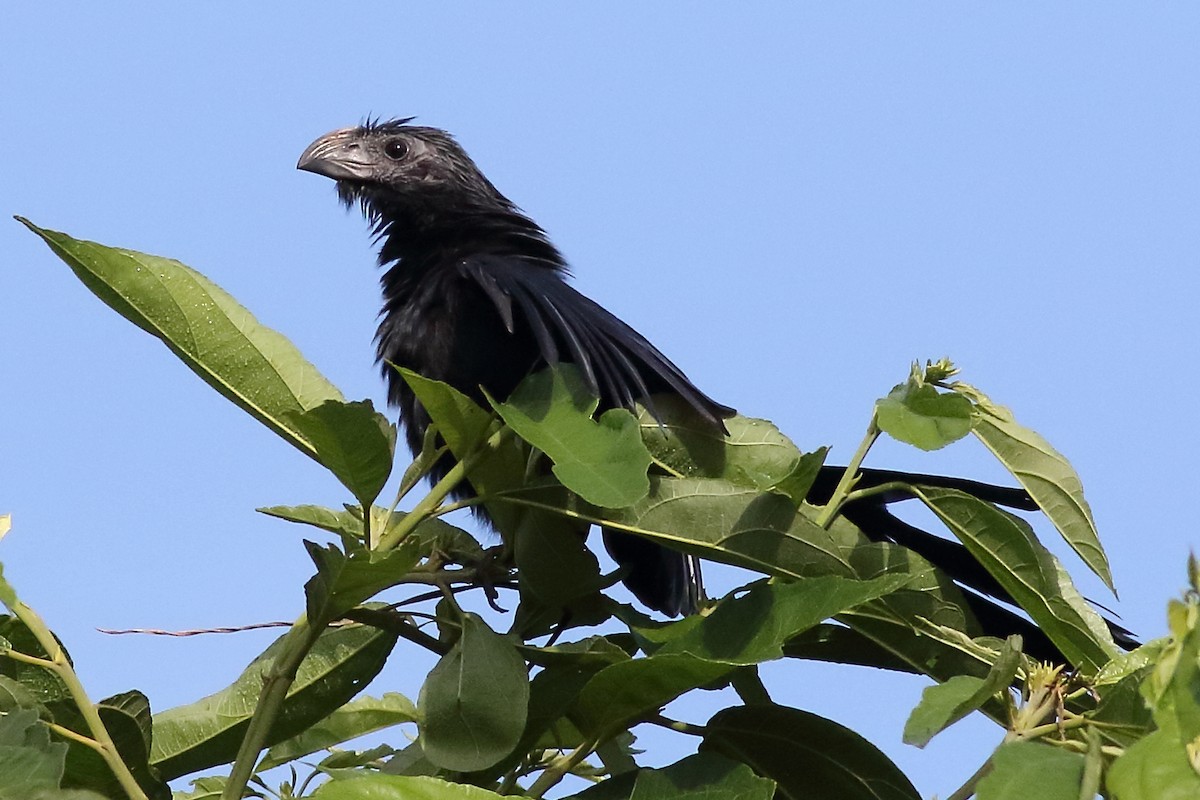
pixel 425 229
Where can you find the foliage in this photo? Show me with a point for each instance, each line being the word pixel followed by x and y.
pixel 559 691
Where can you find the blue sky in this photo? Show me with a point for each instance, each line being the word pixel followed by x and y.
pixel 792 200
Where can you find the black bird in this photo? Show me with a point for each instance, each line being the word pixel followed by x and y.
pixel 475 296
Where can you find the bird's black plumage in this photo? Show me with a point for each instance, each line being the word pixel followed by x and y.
pixel 475 296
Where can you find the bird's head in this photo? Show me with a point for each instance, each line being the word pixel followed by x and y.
pixel 385 164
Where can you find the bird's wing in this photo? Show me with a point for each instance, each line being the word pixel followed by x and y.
pixel 617 362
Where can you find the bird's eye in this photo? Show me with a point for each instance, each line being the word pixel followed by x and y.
pixel 396 149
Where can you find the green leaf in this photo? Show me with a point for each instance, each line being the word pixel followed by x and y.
pixel 207 733
pixel 1155 768
pixel 42 684
pixel 390 787
pixel 208 788
pixel 464 426
pixel 430 535
pixel 459 420
pixel 1050 480
pixel 920 415
pixel 625 692
pixel 255 367
pixel 946 703
pixel 29 761
pixel 126 717
pixel 343 582
pixel 737 525
pixel 13 695
pixel 1010 551
pixel 410 761
pixel 1021 770
pixel 354 441
pixel 358 718
pixel 8 595
pixel 474 702
pixel 1122 710
pixel 597 651
pixel 837 644
pixel 755 453
pixel 552 691
pixel 603 461
pixel 767 533
pixel 1172 688
pixel 800 480
pixel 552 558
pixel 753 627
pixel 703 776
pixel 809 757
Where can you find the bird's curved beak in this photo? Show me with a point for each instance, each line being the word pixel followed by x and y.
pixel 339 155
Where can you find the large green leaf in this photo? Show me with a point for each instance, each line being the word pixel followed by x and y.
pixel 809 757
pixel 126 717
pixel 1155 768
pixel 207 733
pixel 551 693
pixel 602 460
pixel 946 703
pixel 354 441
pixel 920 415
pixel 1023 770
pixel 753 626
pixel 41 684
pixel 703 776
pixel 1010 551
pixel 474 702
pixel 923 625
pixel 838 644
pixel 553 560
pixel 625 692
pixel 218 339
pixel 357 718
pixel 390 787
pixel 1048 477
pixel 739 525
pixel 754 453
pixel 29 762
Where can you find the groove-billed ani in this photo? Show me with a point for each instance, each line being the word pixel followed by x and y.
pixel 475 296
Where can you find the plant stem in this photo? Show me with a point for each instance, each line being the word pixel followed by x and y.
pixel 968 789
pixel 871 491
pixel 559 767
pixel 430 502
pixel 850 476
pixel 100 741
pixel 276 682
pixel 677 726
pixel 395 622
pixel 749 686
pixel 369 532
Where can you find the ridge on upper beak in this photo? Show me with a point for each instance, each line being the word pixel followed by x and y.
pixel 339 155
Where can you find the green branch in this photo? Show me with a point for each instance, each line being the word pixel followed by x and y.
pixel 57 663
pixel 850 476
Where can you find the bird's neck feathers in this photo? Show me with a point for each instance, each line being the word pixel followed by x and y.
pixel 431 231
